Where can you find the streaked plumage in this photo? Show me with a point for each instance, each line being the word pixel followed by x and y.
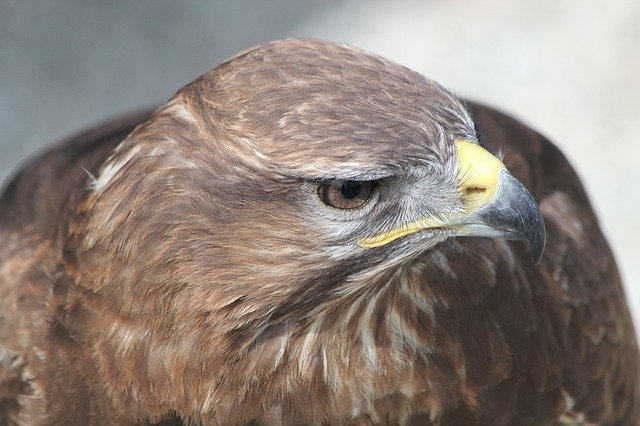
pixel 181 267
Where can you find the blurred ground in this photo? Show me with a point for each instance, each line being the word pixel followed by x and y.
pixel 569 68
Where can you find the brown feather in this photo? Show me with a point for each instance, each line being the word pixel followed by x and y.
pixel 172 268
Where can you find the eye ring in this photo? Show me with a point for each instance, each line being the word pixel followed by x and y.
pixel 346 194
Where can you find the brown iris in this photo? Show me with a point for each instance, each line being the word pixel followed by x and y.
pixel 345 194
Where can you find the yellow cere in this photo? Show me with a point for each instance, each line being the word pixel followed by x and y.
pixel 478 173
pixel 478 177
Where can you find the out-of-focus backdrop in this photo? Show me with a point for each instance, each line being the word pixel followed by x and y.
pixel 569 68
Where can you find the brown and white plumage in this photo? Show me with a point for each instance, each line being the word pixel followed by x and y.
pixel 180 267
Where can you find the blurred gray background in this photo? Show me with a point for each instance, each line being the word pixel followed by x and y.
pixel 569 68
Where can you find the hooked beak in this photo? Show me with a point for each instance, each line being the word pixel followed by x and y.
pixel 497 205
pixel 512 214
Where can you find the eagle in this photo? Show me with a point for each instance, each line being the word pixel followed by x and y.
pixel 310 234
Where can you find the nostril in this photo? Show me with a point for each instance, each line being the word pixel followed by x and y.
pixel 475 190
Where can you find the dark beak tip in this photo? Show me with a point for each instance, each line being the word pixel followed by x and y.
pixel 536 252
pixel 515 211
pixel 536 237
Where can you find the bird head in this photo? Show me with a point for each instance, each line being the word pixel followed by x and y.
pixel 291 177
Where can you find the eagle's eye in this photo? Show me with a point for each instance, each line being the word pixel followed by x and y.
pixel 346 194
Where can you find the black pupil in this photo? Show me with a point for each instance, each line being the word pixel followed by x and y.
pixel 351 189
